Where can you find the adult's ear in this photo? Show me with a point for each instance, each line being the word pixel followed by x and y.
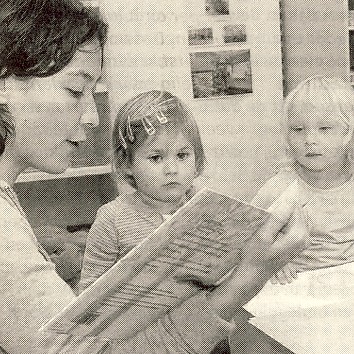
pixel 3 94
pixel 127 170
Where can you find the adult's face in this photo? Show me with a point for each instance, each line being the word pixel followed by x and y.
pixel 51 113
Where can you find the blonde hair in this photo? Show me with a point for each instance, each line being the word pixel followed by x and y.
pixel 321 91
pixel 146 114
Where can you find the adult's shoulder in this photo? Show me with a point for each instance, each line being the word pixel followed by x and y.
pixel 9 215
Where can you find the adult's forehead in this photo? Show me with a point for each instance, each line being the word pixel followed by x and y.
pixel 86 61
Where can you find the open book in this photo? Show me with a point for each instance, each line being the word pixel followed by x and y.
pixel 202 242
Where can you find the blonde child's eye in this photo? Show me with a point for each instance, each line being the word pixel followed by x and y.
pixel 325 128
pixel 182 155
pixel 296 129
pixel 155 158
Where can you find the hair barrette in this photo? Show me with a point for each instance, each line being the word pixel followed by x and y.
pixel 161 117
pixel 122 140
pixel 149 128
pixel 130 134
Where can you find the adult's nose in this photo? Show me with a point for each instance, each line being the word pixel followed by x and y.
pixel 90 115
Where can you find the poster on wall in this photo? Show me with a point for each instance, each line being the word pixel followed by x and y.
pixel 221 73
pixel 234 33
pixel 217 7
pixel 200 36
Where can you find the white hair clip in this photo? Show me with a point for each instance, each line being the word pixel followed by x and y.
pixel 161 117
pixel 130 134
pixel 149 128
pixel 122 140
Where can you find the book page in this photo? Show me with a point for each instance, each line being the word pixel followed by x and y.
pixel 313 288
pixel 201 242
pixel 323 329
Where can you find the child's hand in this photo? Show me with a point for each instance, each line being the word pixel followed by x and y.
pixel 285 275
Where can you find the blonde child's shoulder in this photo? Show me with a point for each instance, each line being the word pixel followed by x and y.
pixel 274 187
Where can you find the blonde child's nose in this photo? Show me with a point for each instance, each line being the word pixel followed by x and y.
pixel 311 137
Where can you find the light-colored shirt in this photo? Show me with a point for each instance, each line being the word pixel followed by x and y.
pixel 330 214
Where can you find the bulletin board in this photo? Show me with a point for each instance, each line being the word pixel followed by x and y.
pixel 223 59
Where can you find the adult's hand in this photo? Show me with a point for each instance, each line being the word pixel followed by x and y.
pixel 282 238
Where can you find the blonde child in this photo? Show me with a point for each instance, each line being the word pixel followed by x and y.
pixel 318 122
pixel 158 151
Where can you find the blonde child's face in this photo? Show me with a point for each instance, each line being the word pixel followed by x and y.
pixel 163 167
pixel 317 137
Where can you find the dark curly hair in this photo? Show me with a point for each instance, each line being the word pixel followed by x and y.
pixel 39 38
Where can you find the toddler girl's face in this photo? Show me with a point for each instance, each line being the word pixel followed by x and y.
pixel 316 137
pixel 163 167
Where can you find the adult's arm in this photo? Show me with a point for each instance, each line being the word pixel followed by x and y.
pixel 32 293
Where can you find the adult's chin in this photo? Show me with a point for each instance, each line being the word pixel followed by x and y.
pixel 57 167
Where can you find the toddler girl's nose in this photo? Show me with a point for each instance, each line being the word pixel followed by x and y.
pixel 171 166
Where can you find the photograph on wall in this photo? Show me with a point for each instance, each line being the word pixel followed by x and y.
pixel 200 36
pixel 221 73
pixel 217 7
pixel 234 33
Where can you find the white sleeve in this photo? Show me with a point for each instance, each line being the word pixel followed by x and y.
pixel 31 291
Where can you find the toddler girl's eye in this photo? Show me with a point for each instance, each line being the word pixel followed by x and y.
pixel 75 93
pixel 182 155
pixel 155 158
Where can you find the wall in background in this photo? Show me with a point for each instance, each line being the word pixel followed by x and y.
pixel 316 40
pixel 148 49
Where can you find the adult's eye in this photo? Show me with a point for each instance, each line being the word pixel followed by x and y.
pixel 75 93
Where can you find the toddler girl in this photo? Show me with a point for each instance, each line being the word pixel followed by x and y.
pixel 158 151
pixel 318 120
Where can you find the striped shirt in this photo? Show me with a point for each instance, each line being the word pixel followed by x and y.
pixel 119 226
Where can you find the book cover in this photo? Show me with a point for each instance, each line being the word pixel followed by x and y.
pixel 201 243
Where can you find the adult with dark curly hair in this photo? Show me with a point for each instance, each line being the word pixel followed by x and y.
pixel 50 61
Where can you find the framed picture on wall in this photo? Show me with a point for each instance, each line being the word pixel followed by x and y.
pixel 217 33
pixel 234 33
pixel 200 36
pixel 221 73
pixel 217 7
